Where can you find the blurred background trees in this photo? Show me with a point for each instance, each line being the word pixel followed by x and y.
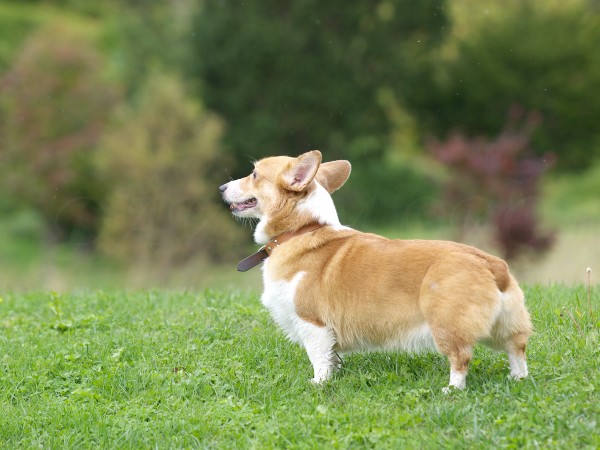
pixel 54 105
pixel 118 122
pixel 157 165
pixel 497 181
pixel 542 60
pixel 307 74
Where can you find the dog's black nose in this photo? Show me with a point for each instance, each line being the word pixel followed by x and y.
pixel 223 187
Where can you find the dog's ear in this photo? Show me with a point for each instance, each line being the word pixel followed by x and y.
pixel 332 175
pixel 301 171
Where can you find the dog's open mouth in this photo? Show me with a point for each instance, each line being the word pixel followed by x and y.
pixel 239 207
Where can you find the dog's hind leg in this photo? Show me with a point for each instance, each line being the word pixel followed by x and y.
pixel 459 357
pixel 319 342
pixel 514 345
pixel 459 311
pixel 511 331
pixel 516 357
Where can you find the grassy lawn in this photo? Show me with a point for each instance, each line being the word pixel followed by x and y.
pixel 165 369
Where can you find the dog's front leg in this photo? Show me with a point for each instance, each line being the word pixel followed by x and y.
pixel 319 343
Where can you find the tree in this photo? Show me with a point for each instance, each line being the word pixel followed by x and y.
pixel 146 35
pixel 539 59
pixel 50 126
pixel 159 163
pixel 294 75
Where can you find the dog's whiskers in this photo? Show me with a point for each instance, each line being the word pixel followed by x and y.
pixel 249 222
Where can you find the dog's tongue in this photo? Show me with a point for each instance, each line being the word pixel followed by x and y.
pixel 242 206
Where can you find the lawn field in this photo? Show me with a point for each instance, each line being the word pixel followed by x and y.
pixel 163 369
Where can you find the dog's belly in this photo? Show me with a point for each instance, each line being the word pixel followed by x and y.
pixel 413 340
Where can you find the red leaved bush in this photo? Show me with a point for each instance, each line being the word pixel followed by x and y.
pixel 497 180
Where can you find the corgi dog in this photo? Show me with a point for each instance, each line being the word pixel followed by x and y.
pixel 335 290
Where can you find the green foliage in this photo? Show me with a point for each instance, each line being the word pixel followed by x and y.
pixel 154 369
pixel 295 75
pixel 50 125
pixel 542 60
pixel 146 35
pixel 381 192
pixel 286 77
pixel 92 9
pixel 15 25
pixel 159 165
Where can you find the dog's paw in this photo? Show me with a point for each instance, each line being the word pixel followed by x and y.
pixel 517 375
pixel 451 388
pixel 318 381
pixel 322 375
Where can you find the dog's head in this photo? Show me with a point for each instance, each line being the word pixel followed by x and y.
pixel 285 193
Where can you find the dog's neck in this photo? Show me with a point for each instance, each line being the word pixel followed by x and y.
pixel 282 238
pixel 264 252
pixel 316 207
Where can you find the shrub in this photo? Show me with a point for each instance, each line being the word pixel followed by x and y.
pixel 159 163
pixel 295 75
pixel 540 59
pixel 15 25
pixel 380 192
pixel 497 180
pixel 54 104
pixel 143 35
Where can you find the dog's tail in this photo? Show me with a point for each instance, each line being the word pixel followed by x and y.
pixel 499 269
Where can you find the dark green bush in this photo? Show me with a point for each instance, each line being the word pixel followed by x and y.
pixel 379 192
pixel 289 76
pixel 545 61
pixel 143 35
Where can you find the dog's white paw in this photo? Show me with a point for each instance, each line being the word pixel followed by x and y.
pixel 518 375
pixel 322 375
pixel 458 380
pixel 318 381
pixel 451 388
pixel 518 367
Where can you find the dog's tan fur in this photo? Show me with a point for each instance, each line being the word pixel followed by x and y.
pixel 370 292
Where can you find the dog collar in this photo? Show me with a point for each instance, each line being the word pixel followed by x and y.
pixel 265 251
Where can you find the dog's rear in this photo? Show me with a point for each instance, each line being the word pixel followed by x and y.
pixel 334 288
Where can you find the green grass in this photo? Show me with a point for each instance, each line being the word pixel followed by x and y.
pixel 161 369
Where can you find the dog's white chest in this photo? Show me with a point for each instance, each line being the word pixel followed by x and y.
pixel 278 298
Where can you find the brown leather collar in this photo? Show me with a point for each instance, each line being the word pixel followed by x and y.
pixel 264 252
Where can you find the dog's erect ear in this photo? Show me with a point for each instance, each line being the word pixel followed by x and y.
pixel 300 173
pixel 332 175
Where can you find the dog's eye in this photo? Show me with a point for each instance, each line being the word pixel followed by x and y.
pixel 254 174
